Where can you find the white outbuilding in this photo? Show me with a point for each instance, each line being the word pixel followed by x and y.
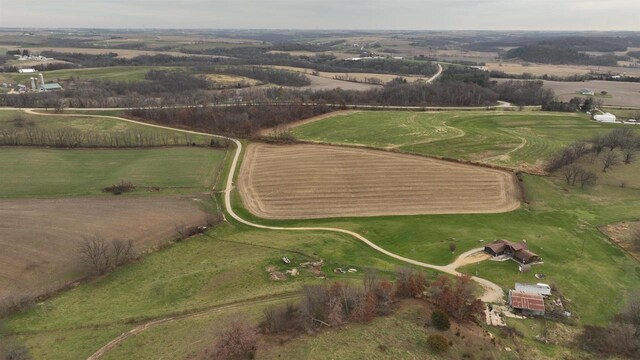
pixel 606 117
pixel 26 71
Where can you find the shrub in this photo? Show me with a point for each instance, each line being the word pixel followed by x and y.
pixel 409 283
pixel 237 341
pixel 438 343
pixel 118 189
pixel 440 320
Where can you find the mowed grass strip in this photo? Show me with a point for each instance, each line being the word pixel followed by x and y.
pixel 500 137
pixel 37 172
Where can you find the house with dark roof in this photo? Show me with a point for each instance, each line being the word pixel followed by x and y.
pixel 527 303
pixel 517 251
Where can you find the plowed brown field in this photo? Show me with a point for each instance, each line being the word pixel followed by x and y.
pixel 39 238
pixel 316 181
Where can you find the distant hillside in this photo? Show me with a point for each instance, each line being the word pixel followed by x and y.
pixel 552 54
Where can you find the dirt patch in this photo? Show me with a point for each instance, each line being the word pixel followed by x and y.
pixel 39 238
pixel 620 234
pixel 317 181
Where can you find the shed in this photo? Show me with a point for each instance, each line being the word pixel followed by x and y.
pixel 539 288
pixel 529 304
pixel 606 117
pixel 50 87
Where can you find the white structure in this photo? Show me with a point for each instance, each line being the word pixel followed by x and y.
pixel 606 117
pixel 26 71
pixel 539 288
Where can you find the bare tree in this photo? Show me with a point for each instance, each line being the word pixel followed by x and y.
pixel 628 155
pixel 587 178
pixel 122 251
pixel 610 159
pixel 94 252
pixel 571 173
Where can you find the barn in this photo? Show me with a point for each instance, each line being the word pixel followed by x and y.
pixel 527 303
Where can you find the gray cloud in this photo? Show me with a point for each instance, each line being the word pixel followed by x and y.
pixel 326 14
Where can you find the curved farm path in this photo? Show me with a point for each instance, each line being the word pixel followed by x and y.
pixel 151 324
pixel 492 292
pixel 440 69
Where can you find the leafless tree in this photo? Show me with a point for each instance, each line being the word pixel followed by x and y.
pixel 94 251
pixel 122 251
pixel 587 178
pixel 608 160
pixel 571 173
pixel 629 155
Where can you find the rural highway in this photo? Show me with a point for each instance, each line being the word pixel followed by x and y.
pixel 492 292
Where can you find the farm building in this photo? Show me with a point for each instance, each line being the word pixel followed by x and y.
pixel 539 288
pixel 26 71
pixel 527 303
pixel 517 251
pixel 47 87
pixel 606 117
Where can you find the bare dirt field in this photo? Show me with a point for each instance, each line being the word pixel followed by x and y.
pixel 39 238
pixel 558 70
pixel 317 181
pixel 357 76
pixel 618 93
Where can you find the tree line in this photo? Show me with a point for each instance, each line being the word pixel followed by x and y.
pixel 340 303
pixel 619 146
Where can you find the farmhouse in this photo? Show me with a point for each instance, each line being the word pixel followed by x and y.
pixel 517 251
pixel 527 303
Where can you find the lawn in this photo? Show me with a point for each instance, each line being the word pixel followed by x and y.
pixel 112 73
pixel 38 172
pixel 507 138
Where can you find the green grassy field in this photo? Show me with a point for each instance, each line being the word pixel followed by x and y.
pixel 88 124
pixel 225 265
pixel 112 73
pixel 500 137
pixel 32 172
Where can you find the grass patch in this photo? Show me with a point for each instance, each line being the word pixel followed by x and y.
pixel 87 171
pixel 500 137
pixel 227 264
pixel 89 124
pixel 111 73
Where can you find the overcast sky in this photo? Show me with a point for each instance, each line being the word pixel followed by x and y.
pixel 326 14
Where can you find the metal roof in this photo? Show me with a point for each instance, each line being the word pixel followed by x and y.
pixel 54 86
pixel 522 300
